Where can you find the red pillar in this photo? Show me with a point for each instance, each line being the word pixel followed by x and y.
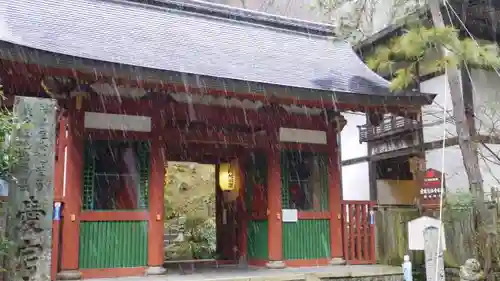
pixel 58 192
pixel 242 211
pixel 156 199
pixel 70 240
pixel 334 180
pixel 274 209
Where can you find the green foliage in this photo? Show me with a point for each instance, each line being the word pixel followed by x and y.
pixel 8 159
pixel 199 240
pixel 8 153
pixel 419 45
pixel 189 206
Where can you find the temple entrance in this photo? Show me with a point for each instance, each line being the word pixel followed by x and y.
pixel 202 214
pixel 189 201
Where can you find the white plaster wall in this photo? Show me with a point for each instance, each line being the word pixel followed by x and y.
pixel 486 92
pixel 355 182
pixel 349 137
pixel 432 115
pixel 456 178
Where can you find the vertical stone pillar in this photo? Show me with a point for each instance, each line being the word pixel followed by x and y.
pixel 336 124
pixel 31 197
pixel 70 240
pixel 156 198
pixel 274 209
pixel 434 261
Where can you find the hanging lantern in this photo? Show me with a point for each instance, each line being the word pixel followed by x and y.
pixel 227 180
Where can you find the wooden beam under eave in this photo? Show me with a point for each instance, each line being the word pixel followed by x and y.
pixel 208 114
pixel 28 76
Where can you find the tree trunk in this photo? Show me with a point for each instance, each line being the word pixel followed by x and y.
pixel 466 143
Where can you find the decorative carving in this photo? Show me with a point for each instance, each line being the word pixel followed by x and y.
pixel 337 119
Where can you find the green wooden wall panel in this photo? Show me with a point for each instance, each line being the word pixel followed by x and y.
pixel 112 244
pixel 257 244
pixel 306 239
pixel 325 194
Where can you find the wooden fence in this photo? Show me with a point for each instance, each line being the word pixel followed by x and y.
pixel 392 235
pixel 358 232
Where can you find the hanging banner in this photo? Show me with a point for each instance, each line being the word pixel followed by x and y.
pixel 57 211
pixel 372 217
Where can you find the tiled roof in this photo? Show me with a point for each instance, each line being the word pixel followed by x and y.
pixel 192 37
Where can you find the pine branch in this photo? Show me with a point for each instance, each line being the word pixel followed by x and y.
pixel 419 42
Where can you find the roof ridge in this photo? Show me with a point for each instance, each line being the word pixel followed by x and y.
pixel 244 15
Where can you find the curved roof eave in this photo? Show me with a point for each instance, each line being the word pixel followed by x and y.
pixel 179 42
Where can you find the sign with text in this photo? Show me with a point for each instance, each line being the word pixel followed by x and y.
pixel 31 196
pixel 290 215
pixel 430 192
pixel 393 144
pixel 416 230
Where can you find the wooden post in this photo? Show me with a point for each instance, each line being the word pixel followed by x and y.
pixel 274 209
pixel 31 198
pixel 242 213
pixel 58 192
pixel 337 256
pixel 434 262
pixel 156 198
pixel 70 240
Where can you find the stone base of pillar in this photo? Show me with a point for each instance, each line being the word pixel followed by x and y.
pixel 275 264
pixel 155 270
pixel 337 261
pixel 69 275
pixel 242 262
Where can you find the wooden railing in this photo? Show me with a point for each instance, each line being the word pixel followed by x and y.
pixel 358 223
pixel 389 126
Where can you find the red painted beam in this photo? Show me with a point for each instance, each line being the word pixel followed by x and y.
pixel 212 115
pixel 22 77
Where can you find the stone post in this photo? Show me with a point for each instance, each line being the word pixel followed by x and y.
pixel 31 196
pixel 433 254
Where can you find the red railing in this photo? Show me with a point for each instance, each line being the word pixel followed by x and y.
pixel 358 224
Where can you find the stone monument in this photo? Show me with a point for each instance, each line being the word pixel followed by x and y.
pixel 31 194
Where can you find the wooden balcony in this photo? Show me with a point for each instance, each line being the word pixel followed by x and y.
pixel 390 126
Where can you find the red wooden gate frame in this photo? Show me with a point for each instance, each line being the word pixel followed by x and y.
pixel 358 224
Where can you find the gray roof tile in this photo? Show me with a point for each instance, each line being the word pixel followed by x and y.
pixel 170 38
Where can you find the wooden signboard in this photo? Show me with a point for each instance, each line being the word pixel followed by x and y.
pixel 430 193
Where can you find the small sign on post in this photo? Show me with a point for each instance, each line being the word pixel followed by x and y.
pixel 416 229
pixel 430 193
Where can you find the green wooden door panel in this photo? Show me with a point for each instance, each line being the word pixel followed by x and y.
pixel 112 244
pixel 306 239
pixel 257 244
